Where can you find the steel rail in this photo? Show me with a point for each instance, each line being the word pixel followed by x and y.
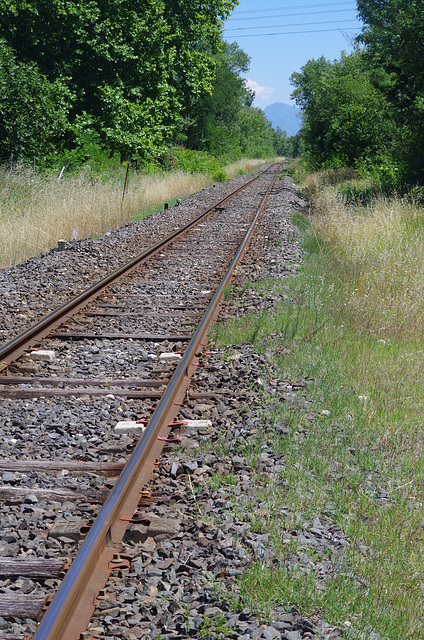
pixel 70 612
pixel 15 347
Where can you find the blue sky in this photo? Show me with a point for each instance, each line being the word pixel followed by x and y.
pixel 303 30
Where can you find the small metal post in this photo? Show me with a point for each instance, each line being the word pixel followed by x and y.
pixel 125 183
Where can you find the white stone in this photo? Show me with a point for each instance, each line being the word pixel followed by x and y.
pixel 198 424
pixel 129 425
pixel 42 355
pixel 169 356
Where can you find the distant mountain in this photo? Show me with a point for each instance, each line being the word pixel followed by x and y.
pixel 285 116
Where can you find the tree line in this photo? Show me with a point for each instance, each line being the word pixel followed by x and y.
pixel 366 110
pixel 132 76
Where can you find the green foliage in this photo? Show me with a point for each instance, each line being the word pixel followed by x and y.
pixel 224 122
pixel 79 80
pixel 215 628
pixel 33 111
pixel 256 134
pixel 360 192
pixel 367 109
pixel 220 176
pixel 192 161
pixel 134 67
pixel 213 116
pixel 345 117
pixel 394 39
pixel 285 146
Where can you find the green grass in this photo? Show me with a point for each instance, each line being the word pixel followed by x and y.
pixel 354 451
pixel 218 479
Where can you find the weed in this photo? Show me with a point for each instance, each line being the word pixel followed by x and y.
pixel 215 628
pixel 228 292
pixel 245 286
pixel 220 176
pixel 218 479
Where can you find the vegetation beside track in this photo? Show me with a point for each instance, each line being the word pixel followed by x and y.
pixel 348 332
pixel 37 210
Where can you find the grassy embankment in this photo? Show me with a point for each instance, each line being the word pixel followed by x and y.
pixel 37 210
pixel 350 324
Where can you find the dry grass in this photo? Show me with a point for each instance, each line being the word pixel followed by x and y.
pixel 313 183
pixel 380 253
pixel 36 211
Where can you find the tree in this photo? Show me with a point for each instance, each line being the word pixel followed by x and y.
pixel 394 40
pixel 194 36
pixel 394 36
pixel 214 124
pixel 346 119
pixel 256 134
pixel 225 122
pixel 33 111
pixel 133 65
pixel 284 145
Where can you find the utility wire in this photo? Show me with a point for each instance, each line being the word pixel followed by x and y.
pixel 293 7
pixel 295 24
pixel 289 33
pixel 290 15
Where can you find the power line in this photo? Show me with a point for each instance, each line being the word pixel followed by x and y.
pixel 293 7
pixel 290 15
pixel 295 24
pixel 289 33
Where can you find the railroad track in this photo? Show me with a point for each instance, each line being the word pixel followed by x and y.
pixel 83 372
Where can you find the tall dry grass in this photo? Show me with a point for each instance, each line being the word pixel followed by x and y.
pixel 379 252
pixel 313 183
pixel 36 211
